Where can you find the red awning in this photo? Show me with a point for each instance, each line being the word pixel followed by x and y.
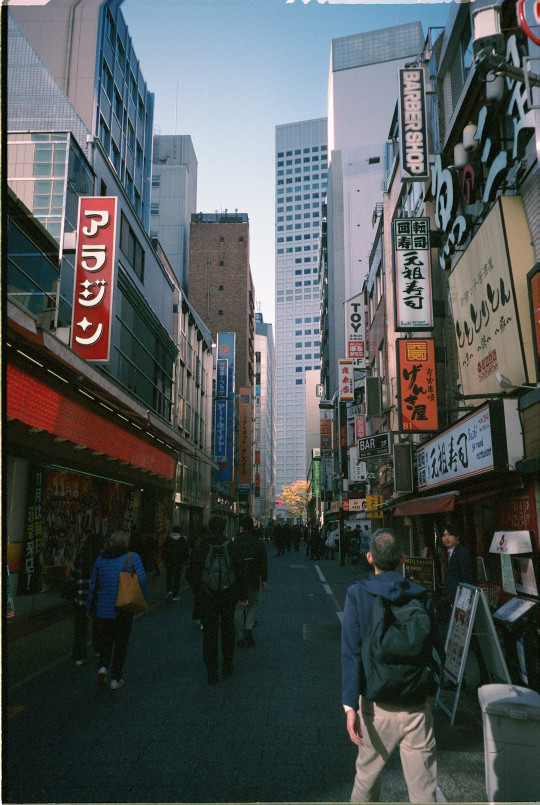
pixel 431 505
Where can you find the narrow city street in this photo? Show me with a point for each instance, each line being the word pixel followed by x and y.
pixel 273 732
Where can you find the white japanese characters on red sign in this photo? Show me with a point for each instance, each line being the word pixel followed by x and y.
pixel 94 278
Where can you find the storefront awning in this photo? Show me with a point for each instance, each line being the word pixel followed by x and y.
pixel 427 505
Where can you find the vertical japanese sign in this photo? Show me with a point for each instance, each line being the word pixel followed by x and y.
pixel 414 159
pixel 413 304
pixel 326 426
pixel 355 330
pixel 316 462
pixel 244 439
pixel 94 278
pixel 346 379
pixel 30 573
pixel 224 421
pixel 417 394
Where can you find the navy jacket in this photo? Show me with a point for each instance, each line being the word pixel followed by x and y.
pixel 461 568
pixel 356 617
pixel 106 577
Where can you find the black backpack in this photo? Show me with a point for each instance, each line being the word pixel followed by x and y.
pixel 218 573
pixel 400 663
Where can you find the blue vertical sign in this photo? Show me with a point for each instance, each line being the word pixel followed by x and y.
pixel 224 440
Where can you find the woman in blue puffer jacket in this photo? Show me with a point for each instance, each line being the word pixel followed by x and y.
pixel 112 628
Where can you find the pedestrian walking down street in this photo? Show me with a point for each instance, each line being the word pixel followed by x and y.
pixel 113 628
pixel 377 727
pixel 80 575
pixel 193 548
pixel 175 554
pixel 216 606
pixel 254 570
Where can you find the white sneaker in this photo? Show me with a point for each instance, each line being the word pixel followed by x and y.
pixel 116 683
pixel 176 598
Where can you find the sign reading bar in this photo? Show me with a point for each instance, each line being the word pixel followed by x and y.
pixel 412 125
pixel 373 446
pixel 95 273
pixel 413 307
pixel 417 395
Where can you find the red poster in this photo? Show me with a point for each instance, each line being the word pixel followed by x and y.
pixel 244 436
pixel 417 393
pixel 94 278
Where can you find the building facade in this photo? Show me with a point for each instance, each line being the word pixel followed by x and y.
pixel 87 49
pixel 264 441
pixel 301 182
pixel 174 199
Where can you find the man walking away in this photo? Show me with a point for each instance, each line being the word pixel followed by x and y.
pixel 254 570
pixel 175 553
pixel 377 727
pixel 113 628
pixel 218 585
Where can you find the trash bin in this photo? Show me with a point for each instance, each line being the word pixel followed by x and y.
pixel 511 721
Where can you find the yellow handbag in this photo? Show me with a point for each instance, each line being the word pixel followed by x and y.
pixel 130 598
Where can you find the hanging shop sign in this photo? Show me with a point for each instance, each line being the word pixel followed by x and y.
pixel 490 439
pixel 489 301
pixel 346 379
pixel 326 428
pixel 355 330
pixel 417 393
pixel 413 304
pixel 95 273
pixel 244 441
pixel 357 468
pixel 413 140
pixel 220 433
pixel 497 157
pixel 222 378
pixel 354 505
pixel 373 446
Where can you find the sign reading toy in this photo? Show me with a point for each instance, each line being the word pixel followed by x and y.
pixel 412 125
pixel 413 308
pixel 94 278
pixel 355 330
pixel 417 394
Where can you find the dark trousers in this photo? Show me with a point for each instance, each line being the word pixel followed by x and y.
pixel 80 632
pixel 112 640
pixel 172 579
pixel 217 615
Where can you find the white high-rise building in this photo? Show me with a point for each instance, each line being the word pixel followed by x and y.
pixel 301 181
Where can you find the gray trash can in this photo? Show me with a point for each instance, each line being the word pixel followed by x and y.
pixel 511 721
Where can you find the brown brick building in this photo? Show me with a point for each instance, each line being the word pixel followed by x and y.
pixel 220 283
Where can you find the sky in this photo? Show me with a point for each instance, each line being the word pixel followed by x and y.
pixel 227 72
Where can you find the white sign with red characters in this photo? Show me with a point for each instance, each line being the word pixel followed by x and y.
pixel 94 278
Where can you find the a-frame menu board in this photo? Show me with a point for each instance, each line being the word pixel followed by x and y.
pixel 471 616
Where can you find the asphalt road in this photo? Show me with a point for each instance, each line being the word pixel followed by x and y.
pixel 272 732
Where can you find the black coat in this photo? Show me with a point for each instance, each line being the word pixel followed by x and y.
pixel 175 552
pixel 461 569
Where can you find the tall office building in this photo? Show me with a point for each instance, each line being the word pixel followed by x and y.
pixel 87 48
pixel 173 199
pixel 301 181
pixel 264 441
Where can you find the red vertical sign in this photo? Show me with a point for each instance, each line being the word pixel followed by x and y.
pixel 244 446
pixel 417 393
pixel 94 278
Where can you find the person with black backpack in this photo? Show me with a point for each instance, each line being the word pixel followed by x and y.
pixel 218 584
pixel 392 658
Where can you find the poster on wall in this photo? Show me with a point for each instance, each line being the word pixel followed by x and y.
pixel 63 509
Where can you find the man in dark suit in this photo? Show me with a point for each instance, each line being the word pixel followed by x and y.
pixel 461 567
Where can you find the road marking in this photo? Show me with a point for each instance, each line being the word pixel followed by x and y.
pixel 328 589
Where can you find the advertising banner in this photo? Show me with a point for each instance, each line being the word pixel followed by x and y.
pixel 355 330
pixel 489 299
pixel 346 379
pixel 226 352
pixel 220 437
pixel 417 393
pixel 222 378
pixel 95 272
pixel 413 137
pixel 244 441
pixel 413 305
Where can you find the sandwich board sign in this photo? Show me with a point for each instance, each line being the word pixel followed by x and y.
pixel 470 616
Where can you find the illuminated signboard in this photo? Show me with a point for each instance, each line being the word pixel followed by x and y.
pixel 413 139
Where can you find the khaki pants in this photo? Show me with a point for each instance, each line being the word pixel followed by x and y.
pixel 383 728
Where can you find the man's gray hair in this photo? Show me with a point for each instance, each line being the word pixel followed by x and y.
pixel 119 538
pixel 385 549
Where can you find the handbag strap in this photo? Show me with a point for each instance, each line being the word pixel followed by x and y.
pixel 129 560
